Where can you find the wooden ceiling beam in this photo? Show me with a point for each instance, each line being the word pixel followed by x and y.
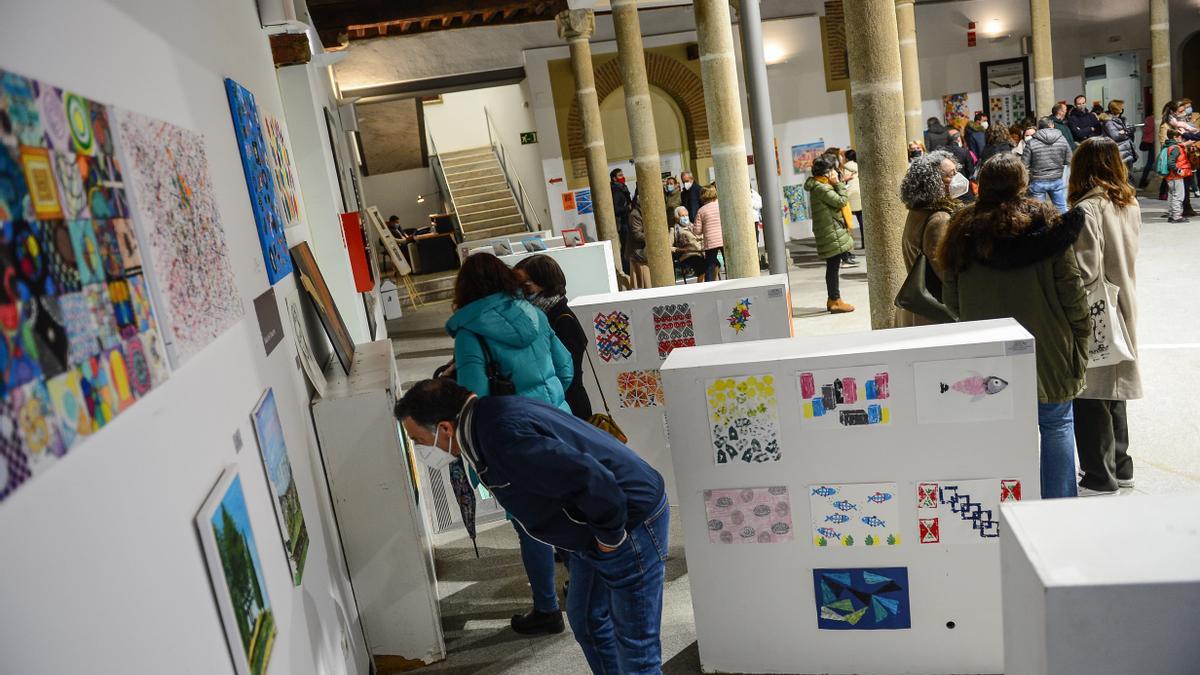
pixel 368 18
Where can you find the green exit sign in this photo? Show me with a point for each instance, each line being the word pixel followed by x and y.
pixel 528 137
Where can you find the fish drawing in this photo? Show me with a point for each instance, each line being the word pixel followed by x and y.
pixel 845 505
pixel 824 491
pixel 880 497
pixel 976 386
pixel 873 521
pixel 837 518
pixel 828 533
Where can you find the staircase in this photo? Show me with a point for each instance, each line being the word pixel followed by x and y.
pixel 482 200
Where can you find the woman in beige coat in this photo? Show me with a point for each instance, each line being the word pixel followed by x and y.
pixel 925 190
pixel 1106 250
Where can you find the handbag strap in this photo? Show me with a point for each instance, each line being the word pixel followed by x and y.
pixel 587 352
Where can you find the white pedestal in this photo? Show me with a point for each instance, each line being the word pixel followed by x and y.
pixel 757 605
pixel 588 268
pixel 1102 585
pixel 709 305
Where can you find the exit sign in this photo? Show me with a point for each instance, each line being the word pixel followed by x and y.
pixel 528 137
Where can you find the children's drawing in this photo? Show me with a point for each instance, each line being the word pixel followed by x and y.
pixel 854 514
pixel 964 390
pixel 739 318
pixel 874 598
pixel 846 397
pixel 743 418
pixel 673 327
pixel 963 511
pixel 795 203
pixel 640 388
pixel 748 515
pixel 614 337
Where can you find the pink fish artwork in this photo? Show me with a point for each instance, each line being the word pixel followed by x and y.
pixel 976 386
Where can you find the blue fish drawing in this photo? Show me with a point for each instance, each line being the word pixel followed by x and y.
pixel 880 497
pixel 837 518
pixel 845 505
pixel 824 491
pixel 873 521
pixel 828 533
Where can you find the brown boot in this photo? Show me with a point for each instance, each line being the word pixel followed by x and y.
pixel 838 306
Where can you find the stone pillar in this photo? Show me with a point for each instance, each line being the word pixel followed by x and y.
pixel 906 27
pixel 877 93
pixel 1043 58
pixel 576 26
pixel 644 140
pixel 718 72
pixel 1160 56
pixel 762 130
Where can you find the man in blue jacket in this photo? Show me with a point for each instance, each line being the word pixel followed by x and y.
pixel 572 486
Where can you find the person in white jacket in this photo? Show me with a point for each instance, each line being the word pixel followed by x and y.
pixel 850 178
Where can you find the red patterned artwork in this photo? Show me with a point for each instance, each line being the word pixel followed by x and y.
pixel 640 388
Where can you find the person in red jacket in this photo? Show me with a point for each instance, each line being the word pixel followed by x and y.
pixel 1179 168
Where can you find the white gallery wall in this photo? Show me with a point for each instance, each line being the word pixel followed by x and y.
pixel 103 570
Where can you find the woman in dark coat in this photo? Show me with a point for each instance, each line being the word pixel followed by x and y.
pixel 546 287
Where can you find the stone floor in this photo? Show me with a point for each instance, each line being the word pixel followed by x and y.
pixel 479 596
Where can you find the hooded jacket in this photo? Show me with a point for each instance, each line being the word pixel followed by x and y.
pixel 976 138
pixel 1084 124
pixel 936 136
pixel 1046 154
pixel 1032 277
pixel 520 341
pixel 1116 129
pixel 1065 130
pixel 829 226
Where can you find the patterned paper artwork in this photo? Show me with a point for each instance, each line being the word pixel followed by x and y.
pixel 282 171
pixel 845 397
pixel 743 419
pixel 614 336
pixel 874 598
pixel 760 515
pixel 739 319
pixel 640 389
pixel 673 327
pixel 964 390
pixel 963 511
pixel 859 514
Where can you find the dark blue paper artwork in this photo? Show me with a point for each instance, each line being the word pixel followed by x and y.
pixel 856 598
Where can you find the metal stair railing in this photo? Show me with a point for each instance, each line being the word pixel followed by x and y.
pixel 532 222
pixel 439 175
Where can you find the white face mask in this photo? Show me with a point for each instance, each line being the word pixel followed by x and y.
pixel 959 185
pixel 433 456
pixel 687 185
pixel 984 124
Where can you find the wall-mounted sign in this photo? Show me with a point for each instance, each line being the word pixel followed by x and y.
pixel 528 137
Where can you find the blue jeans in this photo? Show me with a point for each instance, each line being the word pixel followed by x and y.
pixel 614 603
pixel 1054 190
pixel 1056 421
pixel 538 559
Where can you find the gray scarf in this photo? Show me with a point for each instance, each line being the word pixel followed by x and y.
pixel 544 302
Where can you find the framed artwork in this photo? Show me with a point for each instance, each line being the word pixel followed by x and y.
pixel 502 247
pixel 1005 85
pixel 237 576
pixel 583 202
pixel 269 432
pixel 804 154
pixel 533 244
pixel 314 284
pixel 260 180
pixel 287 194
pixel 573 237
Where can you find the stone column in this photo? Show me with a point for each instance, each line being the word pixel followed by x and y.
pixel 576 26
pixel 1043 58
pixel 906 27
pixel 877 93
pixel 718 72
pixel 644 140
pixel 1160 56
pixel 762 130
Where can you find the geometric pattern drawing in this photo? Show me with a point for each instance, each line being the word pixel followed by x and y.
pixel 673 327
pixel 614 336
pixel 964 390
pixel 963 511
pixel 846 397
pixel 873 598
pixel 640 388
pixel 288 515
pixel 282 171
pixel 866 514
pixel 748 515
pixel 743 419
pixel 260 181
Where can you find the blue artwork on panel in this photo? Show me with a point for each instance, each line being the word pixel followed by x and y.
pixel 259 181
pixel 856 598
pixel 583 202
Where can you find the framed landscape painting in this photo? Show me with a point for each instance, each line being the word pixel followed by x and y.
pixel 271 445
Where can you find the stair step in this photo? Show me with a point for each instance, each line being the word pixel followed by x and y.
pixel 470 164
pixel 491 174
pixel 504 203
pixel 454 154
pixel 472 224
pixel 492 182
pixel 509 210
pixel 480 195
pixel 500 231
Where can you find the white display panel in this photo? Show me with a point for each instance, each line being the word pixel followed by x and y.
pixel 875 599
pixel 589 268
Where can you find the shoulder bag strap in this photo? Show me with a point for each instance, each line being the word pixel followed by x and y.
pixel 588 353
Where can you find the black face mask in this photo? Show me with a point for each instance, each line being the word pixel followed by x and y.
pixel 913 154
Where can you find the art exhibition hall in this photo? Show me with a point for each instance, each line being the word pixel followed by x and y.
pixel 367 337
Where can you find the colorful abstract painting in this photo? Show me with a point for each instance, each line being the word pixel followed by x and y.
pixel 182 242
pixel 739 318
pixel 760 515
pixel 283 172
pixel 673 327
pixel 614 336
pixel 854 514
pixel 964 390
pixel 845 397
pixel 963 511
pixel 640 389
pixel 288 513
pixel 743 419
pixel 955 108
pixel 862 598
pixel 796 203
pixel 804 154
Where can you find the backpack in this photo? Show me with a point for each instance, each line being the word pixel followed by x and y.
pixel 1163 165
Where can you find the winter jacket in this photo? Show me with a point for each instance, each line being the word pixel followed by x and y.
pixel 691 199
pixel 707 226
pixel 1083 124
pixel 521 343
pixel 936 136
pixel 853 187
pixel 1046 154
pixel 622 202
pixel 966 165
pixel 976 138
pixel 991 150
pixel 1178 161
pixel 1116 129
pixel 569 331
pixel 924 230
pixel 1031 277
pixel 672 201
pixel 829 226
pixel 634 245
pixel 1065 130
pixel 1107 250
pixel 564 482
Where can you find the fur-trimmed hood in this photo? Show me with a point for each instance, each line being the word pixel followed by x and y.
pixel 1045 237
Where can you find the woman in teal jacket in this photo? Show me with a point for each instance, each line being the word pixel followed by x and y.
pixel 490 310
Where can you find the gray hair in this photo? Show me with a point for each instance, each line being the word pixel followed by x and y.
pixel 923 185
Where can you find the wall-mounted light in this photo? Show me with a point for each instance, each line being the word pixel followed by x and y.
pixel 421 198
pixel 993 27
pixel 773 53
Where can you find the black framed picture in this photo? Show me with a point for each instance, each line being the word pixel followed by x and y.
pixel 1005 88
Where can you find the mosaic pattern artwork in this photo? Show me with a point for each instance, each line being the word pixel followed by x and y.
pixel 640 388
pixel 963 511
pixel 748 515
pixel 743 419
pixel 858 514
pixel 283 172
pixel 673 327
pixel 955 108
pixel 182 242
pixel 964 390
pixel 857 598
pixel 846 397
pixel 614 336
pixel 260 181
pixel 795 203
pixel 289 516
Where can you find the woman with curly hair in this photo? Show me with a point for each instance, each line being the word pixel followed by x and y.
pixel 926 191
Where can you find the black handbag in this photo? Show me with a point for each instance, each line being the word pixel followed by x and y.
pixel 499 384
pixel 917 296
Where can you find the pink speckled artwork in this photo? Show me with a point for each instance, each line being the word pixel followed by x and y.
pixel 748 515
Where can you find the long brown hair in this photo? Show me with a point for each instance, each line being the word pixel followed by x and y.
pixel 1097 164
pixel 481 275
